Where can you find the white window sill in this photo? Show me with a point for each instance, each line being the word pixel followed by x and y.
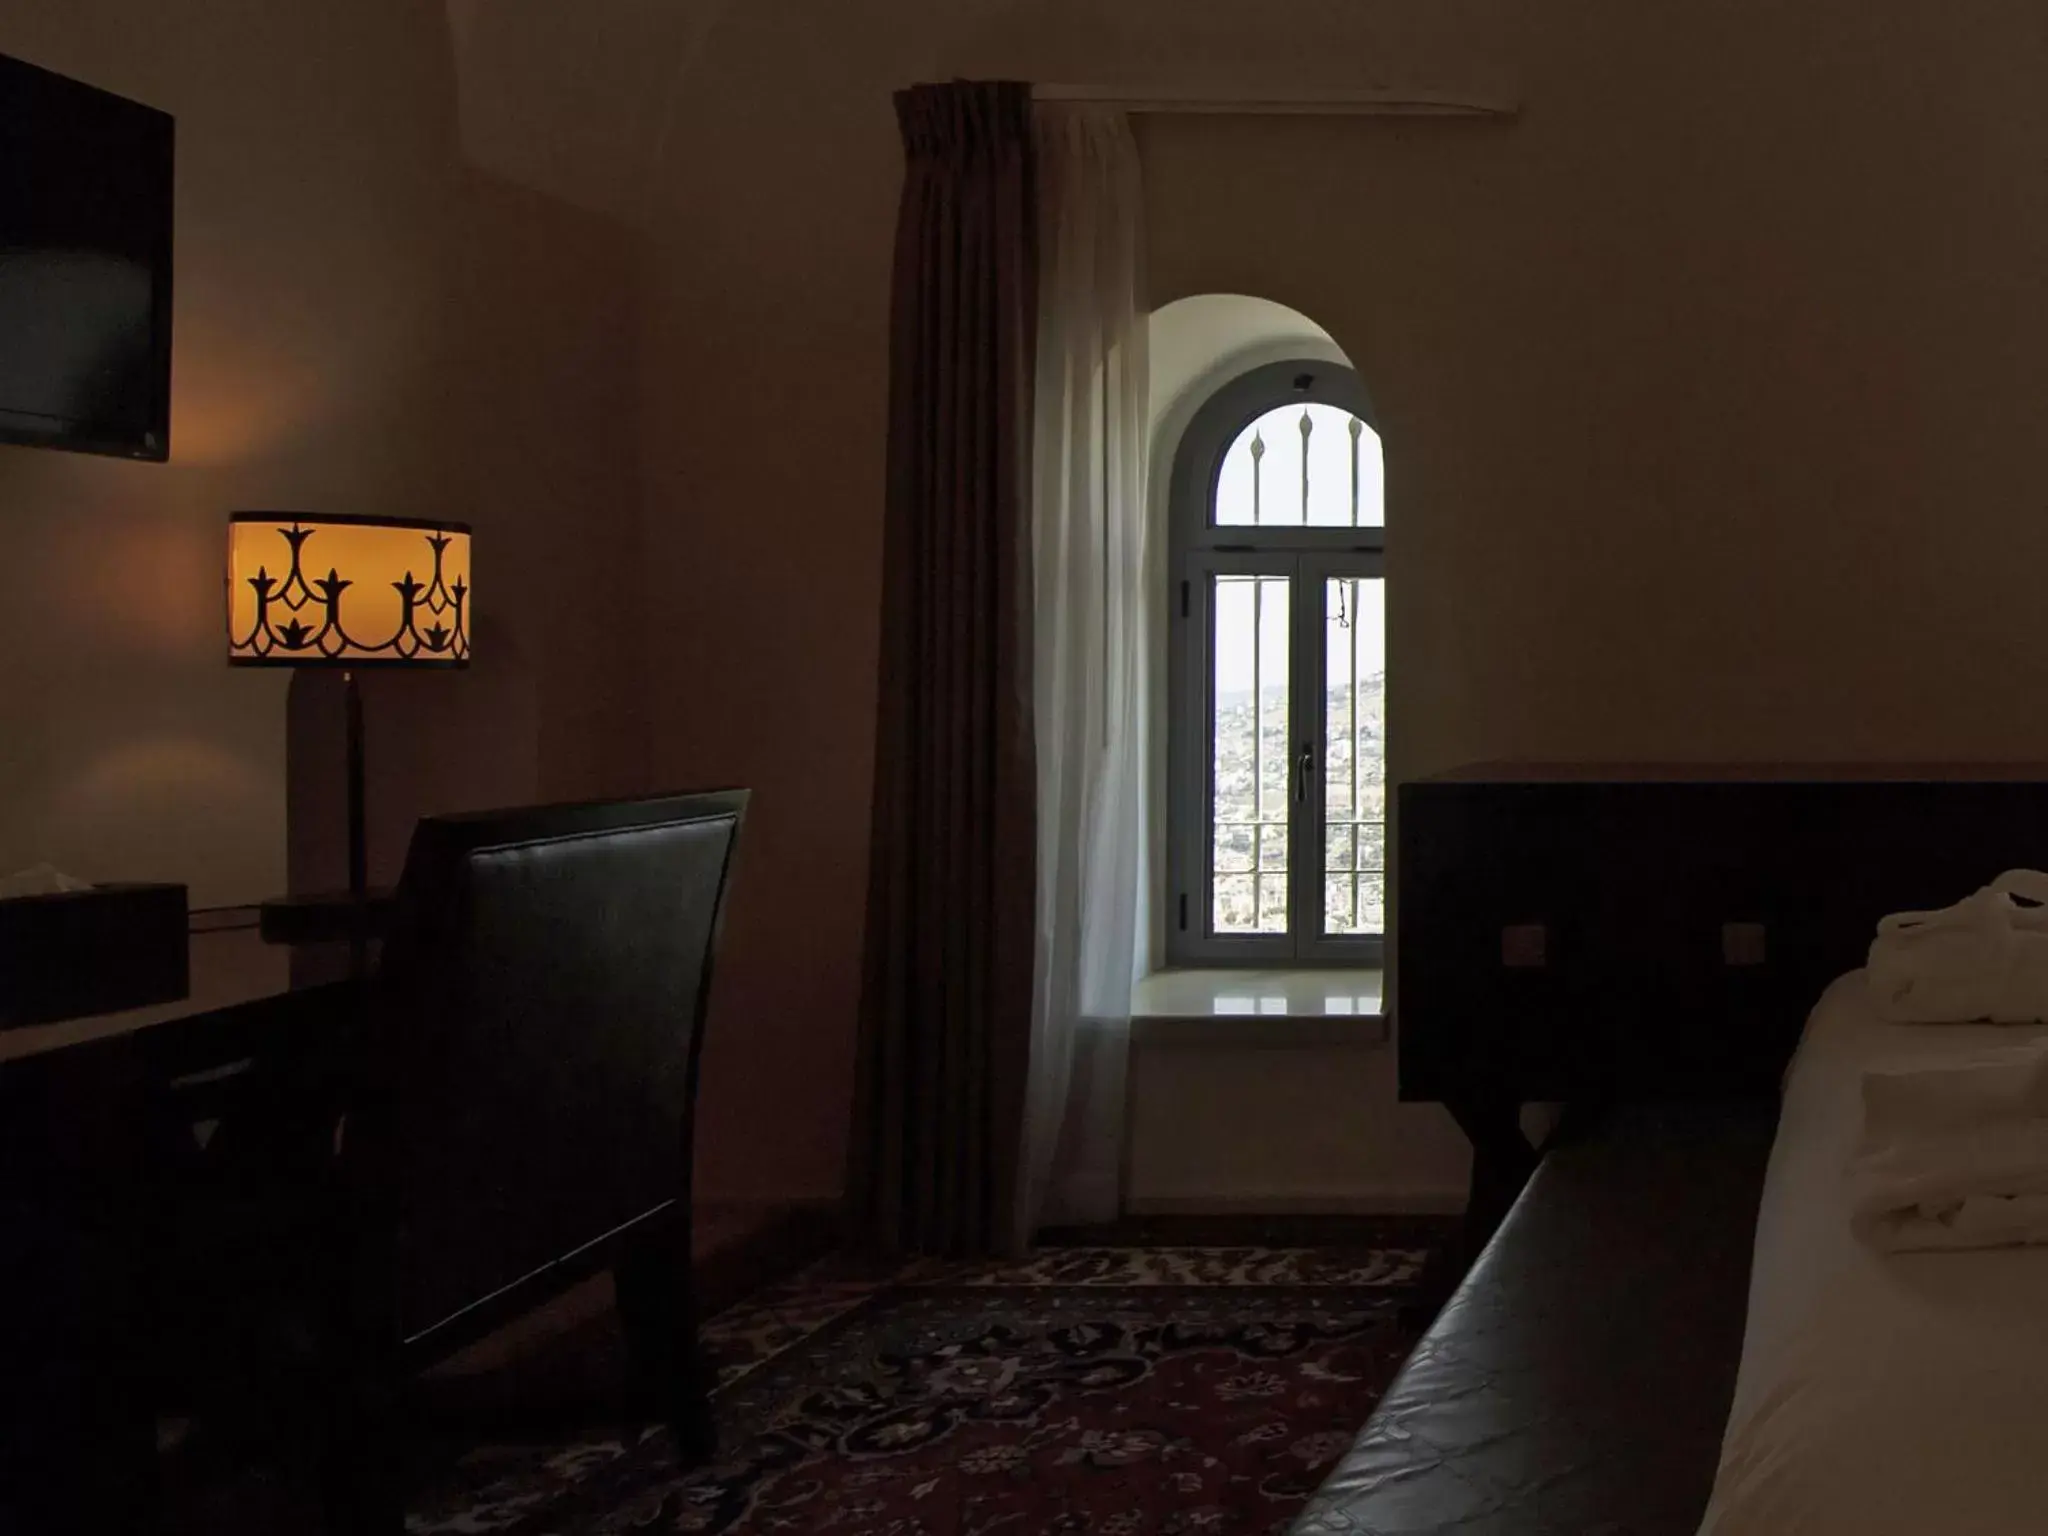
pixel 1309 1007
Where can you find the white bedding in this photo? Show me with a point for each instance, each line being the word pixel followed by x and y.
pixel 1879 1394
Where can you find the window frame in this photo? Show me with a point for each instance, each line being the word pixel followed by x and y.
pixel 1199 551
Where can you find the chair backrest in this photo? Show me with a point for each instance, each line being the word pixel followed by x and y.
pixel 541 1007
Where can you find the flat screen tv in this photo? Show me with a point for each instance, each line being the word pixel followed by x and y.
pixel 85 267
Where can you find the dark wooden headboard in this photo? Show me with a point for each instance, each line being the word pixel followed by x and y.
pixel 1585 934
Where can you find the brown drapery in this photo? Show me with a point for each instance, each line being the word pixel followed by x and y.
pixel 946 998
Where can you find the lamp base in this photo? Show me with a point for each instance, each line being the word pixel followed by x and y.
pixel 324 917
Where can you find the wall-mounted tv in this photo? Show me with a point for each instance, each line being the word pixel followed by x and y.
pixel 85 267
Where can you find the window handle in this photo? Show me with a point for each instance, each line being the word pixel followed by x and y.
pixel 1304 766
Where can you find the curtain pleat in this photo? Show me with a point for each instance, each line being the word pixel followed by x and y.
pixel 946 998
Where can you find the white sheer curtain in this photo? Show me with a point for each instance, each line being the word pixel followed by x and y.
pixel 1090 612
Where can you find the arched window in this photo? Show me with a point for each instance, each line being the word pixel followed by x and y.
pixel 1278 801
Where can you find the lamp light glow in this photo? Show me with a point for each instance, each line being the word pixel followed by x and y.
pixel 327 590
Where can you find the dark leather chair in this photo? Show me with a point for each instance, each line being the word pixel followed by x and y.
pixel 508 1112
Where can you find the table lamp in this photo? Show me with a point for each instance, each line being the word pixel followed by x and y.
pixel 395 593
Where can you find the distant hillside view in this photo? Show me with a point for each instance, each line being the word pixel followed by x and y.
pixel 1253 743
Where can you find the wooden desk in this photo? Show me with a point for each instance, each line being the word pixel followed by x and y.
pixel 232 970
pixel 91 1115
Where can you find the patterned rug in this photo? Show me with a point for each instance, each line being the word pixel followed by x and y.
pixel 1111 1392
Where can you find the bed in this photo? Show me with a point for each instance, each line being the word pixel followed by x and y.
pixel 1879 1393
pixel 1646 933
pixel 1631 942
pixel 1577 1382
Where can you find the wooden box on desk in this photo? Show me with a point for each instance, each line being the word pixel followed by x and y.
pixel 99 950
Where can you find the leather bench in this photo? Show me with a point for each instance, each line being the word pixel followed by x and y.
pixel 1578 1380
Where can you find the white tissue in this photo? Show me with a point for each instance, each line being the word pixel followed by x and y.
pixel 40 880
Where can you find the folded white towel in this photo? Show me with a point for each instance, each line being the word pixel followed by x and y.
pixel 1914 1099
pixel 1985 958
pixel 1980 1188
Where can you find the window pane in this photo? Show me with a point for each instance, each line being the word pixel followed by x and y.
pixel 1249 806
pixel 1311 465
pixel 1354 755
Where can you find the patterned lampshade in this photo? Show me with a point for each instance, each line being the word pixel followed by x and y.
pixel 311 590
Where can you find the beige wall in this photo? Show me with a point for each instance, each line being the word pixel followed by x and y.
pixel 771 223
pixel 362 324
pixel 765 381
pixel 1295 1123
pixel 1709 386
pixel 537 422
pixel 1709 391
